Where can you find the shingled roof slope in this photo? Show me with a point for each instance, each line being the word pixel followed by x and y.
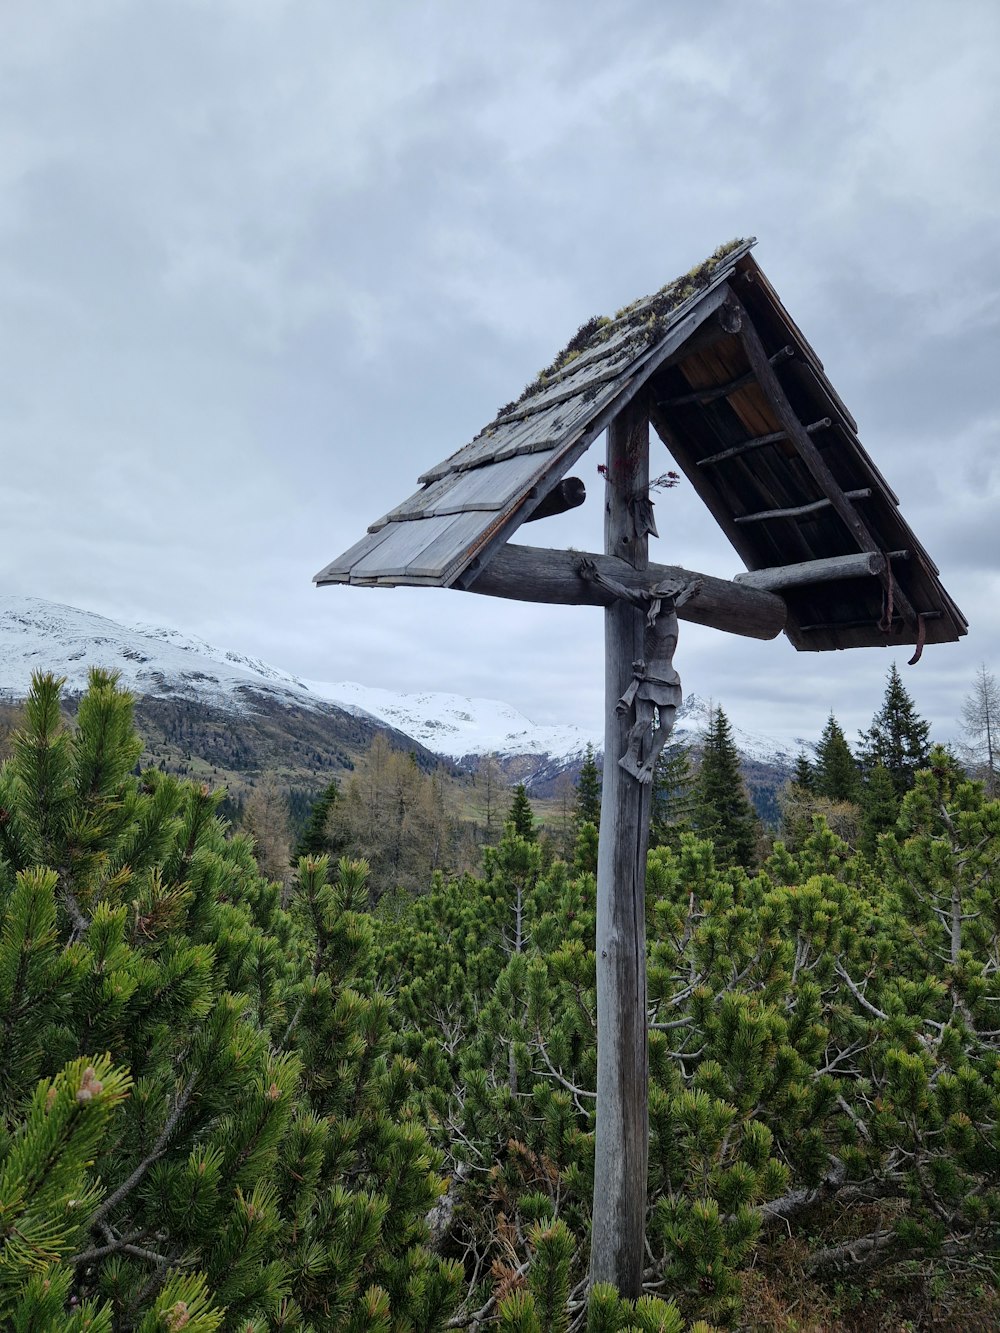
pixel 475 500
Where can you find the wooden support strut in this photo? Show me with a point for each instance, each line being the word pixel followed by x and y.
pixel 760 440
pixel 713 391
pixel 799 511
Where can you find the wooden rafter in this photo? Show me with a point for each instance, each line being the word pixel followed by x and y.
pixel 809 453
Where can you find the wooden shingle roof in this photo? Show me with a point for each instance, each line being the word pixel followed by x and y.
pixel 743 404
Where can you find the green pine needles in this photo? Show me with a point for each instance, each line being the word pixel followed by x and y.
pixel 232 1104
pixel 203 1125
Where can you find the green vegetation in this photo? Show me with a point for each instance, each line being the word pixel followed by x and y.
pixel 244 1103
pixel 721 808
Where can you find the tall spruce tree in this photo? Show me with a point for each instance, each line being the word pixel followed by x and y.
pixel 588 791
pixel 836 774
pixel 520 815
pixel 804 774
pixel 317 838
pixel 722 809
pixel 673 796
pixel 897 738
pixel 879 807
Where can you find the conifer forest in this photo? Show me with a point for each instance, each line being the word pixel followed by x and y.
pixel 248 1099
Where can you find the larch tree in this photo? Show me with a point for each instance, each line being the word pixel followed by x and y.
pixel 265 818
pixel 981 721
pixel 491 786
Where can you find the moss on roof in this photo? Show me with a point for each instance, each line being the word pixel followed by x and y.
pixel 645 320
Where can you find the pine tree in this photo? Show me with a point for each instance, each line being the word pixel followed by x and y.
pixel 268 1122
pixel 879 807
pixel 981 719
pixel 897 738
pixel 520 816
pixel 722 809
pixel 836 774
pixel 588 791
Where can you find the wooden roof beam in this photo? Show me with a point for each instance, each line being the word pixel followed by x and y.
pixel 536 574
pixel 799 511
pixel 834 567
pixel 567 494
pixel 760 440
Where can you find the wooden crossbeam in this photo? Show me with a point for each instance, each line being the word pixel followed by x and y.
pixel 537 574
pixel 759 440
pixel 797 511
pixel 713 391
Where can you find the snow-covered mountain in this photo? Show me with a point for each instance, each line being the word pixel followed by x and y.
pixel 455 726
pixel 36 635
pixel 167 664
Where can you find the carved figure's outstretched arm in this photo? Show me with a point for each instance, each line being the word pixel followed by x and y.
pixel 637 597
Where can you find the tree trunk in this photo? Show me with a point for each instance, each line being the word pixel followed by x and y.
pixel 621 1150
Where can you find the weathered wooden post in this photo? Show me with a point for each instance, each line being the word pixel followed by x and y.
pixel 622 1139
pixel 778 464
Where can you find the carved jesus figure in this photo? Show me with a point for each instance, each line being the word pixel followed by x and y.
pixel 654 694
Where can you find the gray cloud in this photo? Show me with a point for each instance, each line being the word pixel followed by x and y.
pixel 262 263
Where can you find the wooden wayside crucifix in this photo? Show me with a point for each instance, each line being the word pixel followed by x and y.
pixel 741 401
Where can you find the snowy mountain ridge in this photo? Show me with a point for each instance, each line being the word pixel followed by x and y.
pixel 166 663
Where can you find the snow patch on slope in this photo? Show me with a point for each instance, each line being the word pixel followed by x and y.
pixel 36 635
pixel 456 726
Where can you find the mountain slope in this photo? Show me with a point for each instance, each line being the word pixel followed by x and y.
pixel 222 713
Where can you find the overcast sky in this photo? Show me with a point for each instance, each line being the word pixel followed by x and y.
pixel 262 262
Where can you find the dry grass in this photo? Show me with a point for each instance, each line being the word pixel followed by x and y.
pixel 778 1297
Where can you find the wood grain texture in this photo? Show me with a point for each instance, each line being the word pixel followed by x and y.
pixel 802 511
pixel 622 1136
pixel 538 574
pixel 865 563
pixel 772 438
